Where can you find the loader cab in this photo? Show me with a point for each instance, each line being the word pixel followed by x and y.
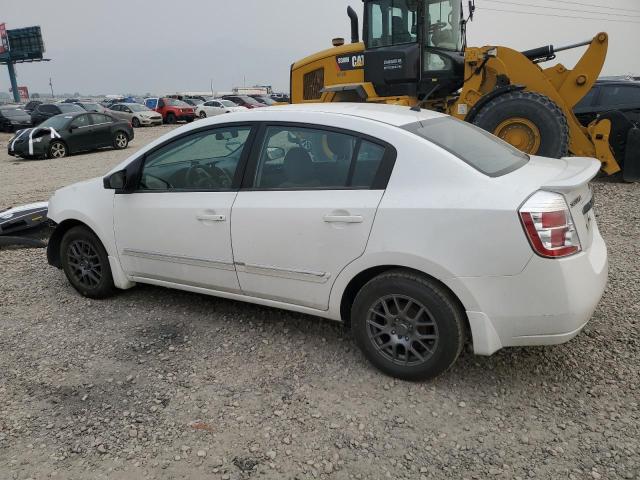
pixel 414 47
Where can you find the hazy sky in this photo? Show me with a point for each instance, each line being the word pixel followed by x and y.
pixel 118 46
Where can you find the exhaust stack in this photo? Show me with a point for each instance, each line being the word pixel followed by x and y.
pixel 355 29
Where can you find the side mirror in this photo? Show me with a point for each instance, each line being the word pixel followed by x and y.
pixel 72 128
pixel 115 181
pixel 275 153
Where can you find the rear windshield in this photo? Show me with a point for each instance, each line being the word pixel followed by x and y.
pixel 478 148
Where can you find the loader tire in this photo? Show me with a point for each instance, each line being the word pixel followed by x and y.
pixel 529 121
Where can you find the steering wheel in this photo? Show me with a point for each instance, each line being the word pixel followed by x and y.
pixel 214 177
pixel 436 27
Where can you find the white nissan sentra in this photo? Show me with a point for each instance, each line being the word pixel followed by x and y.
pixel 416 229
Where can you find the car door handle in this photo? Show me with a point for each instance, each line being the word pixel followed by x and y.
pixel 343 219
pixel 211 218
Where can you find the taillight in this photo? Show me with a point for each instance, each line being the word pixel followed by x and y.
pixel 548 224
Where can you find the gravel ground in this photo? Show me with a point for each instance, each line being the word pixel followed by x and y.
pixel 164 384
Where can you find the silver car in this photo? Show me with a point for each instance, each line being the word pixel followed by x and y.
pixel 137 114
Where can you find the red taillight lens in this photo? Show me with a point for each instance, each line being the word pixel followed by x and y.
pixel 548 224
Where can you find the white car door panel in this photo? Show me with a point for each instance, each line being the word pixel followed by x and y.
pixel 176 226
pixel 291 245
pixel 181 237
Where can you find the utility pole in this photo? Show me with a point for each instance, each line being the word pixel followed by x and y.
pixel 51 85
pixel 212 88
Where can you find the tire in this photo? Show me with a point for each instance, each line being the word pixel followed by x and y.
pixel 171 119
pixel 536 109
pixel 120 140
pixel 203 114
pixel 135 123
pixel 441 318
pixel 86 264
pixel 57 149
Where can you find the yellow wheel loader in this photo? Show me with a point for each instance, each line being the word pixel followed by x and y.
pixel 414 53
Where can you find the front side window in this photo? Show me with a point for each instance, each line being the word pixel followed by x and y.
pixel 483 151
pixel 97 119
pixel 443 24
pixel 201 161
pixel 80 121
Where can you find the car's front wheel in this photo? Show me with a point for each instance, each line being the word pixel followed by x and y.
pixel 86 264
pixel 171 119
pixel 58 149
pixel 135 123
pixel 120 140
pixel 407 325
pixel 203 114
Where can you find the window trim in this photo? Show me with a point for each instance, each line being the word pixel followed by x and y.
pixel 135 167
pixel 381 179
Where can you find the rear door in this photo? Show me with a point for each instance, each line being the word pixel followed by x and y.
pixel 103 136
pixel 307 211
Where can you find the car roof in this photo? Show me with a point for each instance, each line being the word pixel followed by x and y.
pixel 396 115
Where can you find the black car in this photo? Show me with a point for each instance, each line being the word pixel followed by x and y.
pixel 14 118
pixel 74 132
pixel 47 110
pixel 31 106
pixel 608 95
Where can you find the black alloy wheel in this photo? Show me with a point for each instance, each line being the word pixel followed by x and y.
pixel 85 263
pixel 408 325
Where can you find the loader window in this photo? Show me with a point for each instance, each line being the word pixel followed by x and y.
pixel 391 22
pixel 483 151
pixel 443 25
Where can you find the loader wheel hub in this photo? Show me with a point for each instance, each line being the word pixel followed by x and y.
pixel 521 133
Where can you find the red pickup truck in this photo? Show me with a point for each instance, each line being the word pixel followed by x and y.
pixel 172 110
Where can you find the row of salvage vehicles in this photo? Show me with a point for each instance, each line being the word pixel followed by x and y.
pixel 414 53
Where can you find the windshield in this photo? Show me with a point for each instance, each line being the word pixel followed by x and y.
pixel 265 100
pixel 249 100
pixel 138 108
pixel 70 107
pixel 57 123
pixel 472 145
pixel 172 102
pixel 395 22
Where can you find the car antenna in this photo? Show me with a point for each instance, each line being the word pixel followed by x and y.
pixel 416 107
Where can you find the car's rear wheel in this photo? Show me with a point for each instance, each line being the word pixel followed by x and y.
pixel 407 325
pixel 58 149
pixel 203 114
pixel 86 264
pixel 171 118
pixel 135 123
pixel 120 140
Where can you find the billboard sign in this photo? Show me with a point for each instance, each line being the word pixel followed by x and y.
pixel 24 93
pixel 4 38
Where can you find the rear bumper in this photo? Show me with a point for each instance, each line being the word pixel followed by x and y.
pixel 548 303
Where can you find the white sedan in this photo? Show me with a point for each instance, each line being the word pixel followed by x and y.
pixel 417 230
pixel 212 108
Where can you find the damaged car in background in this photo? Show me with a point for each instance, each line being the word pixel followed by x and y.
pixel 66 134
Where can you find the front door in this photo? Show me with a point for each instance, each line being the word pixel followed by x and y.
pixel 307 213
pixel 176 227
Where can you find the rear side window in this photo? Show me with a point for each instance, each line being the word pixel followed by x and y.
pixel 483 151
pixel 299 158
pixel 98 119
